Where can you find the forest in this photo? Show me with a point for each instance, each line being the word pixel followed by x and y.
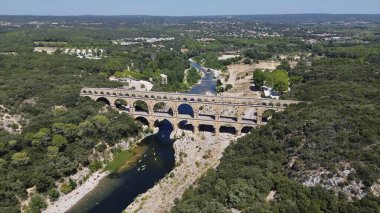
pixel 337 123
pixel 59 130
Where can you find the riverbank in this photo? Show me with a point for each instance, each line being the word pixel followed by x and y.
pixel 194 155
pixel 65 202
pixel 120 163
pixel 126 159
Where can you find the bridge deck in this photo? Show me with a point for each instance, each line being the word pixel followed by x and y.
pixel 181 97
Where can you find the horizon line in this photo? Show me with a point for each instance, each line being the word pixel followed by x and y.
pixel 216 15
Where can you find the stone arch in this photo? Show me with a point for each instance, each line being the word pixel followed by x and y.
pixel 142 120
pixel 185 125
pixel 247 129
pixel 141 106
pixel 228 129
pixel 84 91
pixel 185 109
pixel 207 110
pixel 159 122
pixel 229 111
pixel 122 104
pixel 104 100
pixel 268 114
pixel 206 128
pixel 285 105
pixel 163 107
pixel 192 99
pixel 199 99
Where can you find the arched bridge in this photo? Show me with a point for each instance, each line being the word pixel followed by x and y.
pixel 190 111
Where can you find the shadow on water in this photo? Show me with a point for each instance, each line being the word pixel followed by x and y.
pixel 115 193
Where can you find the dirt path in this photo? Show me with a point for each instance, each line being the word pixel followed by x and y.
pixel 194 156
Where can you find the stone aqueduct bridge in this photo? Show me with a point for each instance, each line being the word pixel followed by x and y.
pixel 237 121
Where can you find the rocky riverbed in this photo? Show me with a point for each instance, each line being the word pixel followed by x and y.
pixel 194 155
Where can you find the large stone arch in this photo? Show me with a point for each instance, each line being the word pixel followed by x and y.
pixel 141 106
pixel 206 128
pixel 268 114
pixel 185 109
pixel 249 114
pixel 104 100
pixel 122 104
pixel 247 129
pixel 163 107
pixel 228 129
pixel 227 110
pixel 207 110
pixel 186 125
pixel 158 122
pixel 144 121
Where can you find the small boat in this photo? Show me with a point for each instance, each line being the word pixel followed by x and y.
pixel 138 169
pixel 154 153
pixel 140 161
pixel 143 169
pixel 155 159
pixel 144 156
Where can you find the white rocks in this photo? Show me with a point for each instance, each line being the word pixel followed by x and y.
pixel 134 84
pixel 94 54
pixel 337 183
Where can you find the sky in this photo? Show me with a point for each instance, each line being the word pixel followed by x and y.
pixel 186 7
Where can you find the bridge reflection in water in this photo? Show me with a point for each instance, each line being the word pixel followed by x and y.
pixel 223 114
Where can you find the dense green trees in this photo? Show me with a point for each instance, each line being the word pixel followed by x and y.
pixel 278 79
pixel 56 126
pixel 338 124
pixel 258 78
pixel 37 202
pixel 193 76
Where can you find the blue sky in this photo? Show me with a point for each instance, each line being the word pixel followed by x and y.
pixel 185 7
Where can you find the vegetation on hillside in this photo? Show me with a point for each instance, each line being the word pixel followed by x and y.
pixel 339 124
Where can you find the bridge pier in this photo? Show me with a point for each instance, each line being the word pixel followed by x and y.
pixel 196 114
pixel 238 132
pixel 259 117
pixel 196 130
pixel 217 132
pixel 217 128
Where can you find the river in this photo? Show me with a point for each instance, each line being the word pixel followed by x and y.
pixel 114 194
